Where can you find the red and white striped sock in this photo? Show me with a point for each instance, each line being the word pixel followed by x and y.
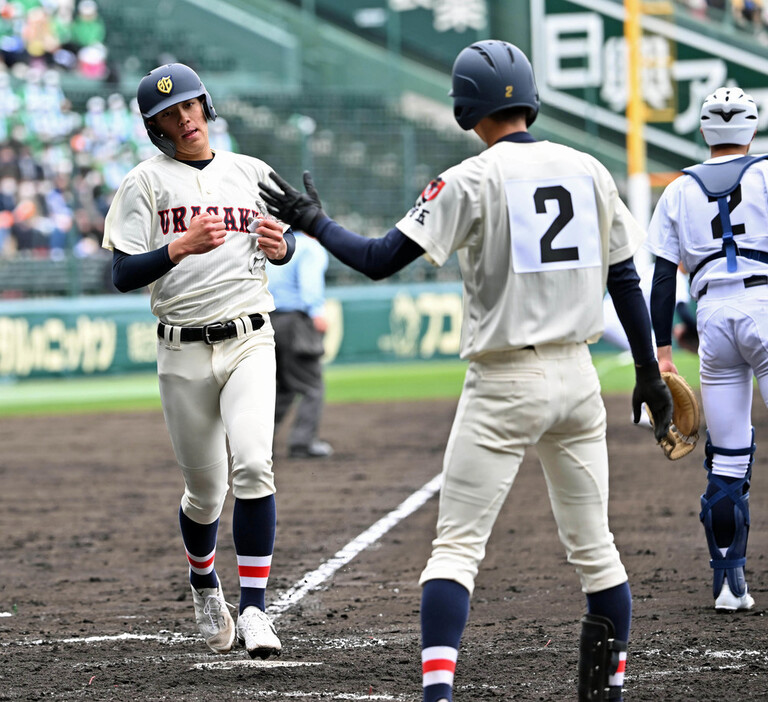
pixel 201 570
pixel 254 573
pixel 617 679
pixel 200 545
pixel 438 666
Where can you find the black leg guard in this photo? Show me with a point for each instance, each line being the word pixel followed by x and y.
pixel 731 565
pixel 599 659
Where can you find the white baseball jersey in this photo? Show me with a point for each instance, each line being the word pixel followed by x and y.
pixel 154 206
pixel 536 226
pixel 685 226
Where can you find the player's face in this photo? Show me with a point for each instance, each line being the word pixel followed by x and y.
pixel 186 125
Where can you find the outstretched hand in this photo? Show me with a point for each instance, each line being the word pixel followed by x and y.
pixel 300 210
pixel 653 391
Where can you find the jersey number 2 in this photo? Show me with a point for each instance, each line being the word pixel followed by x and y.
pixel 717 224
pixel 549 254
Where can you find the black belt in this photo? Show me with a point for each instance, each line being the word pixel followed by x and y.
pixel 751 282
pixel 211 333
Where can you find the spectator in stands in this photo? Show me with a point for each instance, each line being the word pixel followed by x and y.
pixel 39 37
pixel 10 102
pixel 748 13
pixel 92 61
pixel 9 164
pixel 118 117
pixel 8 187
pixel 88 27
pixel 11 26
pixel 59 211
pixel 25 229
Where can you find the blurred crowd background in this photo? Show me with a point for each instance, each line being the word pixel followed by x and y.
pixel 59 167
pixel 61 160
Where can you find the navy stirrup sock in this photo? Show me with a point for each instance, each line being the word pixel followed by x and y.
pixel 200 545
pixel 444 613
pixel 253 531
pixel 615 604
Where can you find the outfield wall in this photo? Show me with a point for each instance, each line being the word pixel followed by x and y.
pixel 116 334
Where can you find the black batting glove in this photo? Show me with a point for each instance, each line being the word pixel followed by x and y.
pixel 300 210
pixel 651 389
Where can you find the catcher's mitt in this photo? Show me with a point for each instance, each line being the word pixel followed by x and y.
pixel 684 431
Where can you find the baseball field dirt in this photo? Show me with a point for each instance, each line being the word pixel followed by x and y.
pixel 95 605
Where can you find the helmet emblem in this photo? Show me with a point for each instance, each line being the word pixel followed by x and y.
pixel 165 85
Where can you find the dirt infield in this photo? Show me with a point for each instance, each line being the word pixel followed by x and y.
pixel 95 602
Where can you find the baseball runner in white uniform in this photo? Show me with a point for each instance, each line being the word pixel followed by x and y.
pixel 190 224
pixel 714 220
pixel 539 229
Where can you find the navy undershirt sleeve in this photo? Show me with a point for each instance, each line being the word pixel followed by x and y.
pixel 375 257
pixel 627 297
pixel 663 294
pixel 131 272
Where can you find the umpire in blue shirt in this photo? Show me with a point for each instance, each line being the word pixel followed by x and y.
pixel 299 323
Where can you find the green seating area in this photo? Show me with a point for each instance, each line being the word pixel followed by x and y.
pixel 40 277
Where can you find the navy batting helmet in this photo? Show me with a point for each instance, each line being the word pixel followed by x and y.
pixel 165 86
pixel 489 76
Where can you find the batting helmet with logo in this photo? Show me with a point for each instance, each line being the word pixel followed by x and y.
pixel 165 86
pixel 489 76
pixel 728 116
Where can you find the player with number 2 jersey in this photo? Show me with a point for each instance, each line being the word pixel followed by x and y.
pixel 539 230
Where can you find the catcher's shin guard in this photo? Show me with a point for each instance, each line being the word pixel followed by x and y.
pixel 601 663
pixel 731 565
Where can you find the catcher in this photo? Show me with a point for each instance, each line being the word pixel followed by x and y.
pixel 713 221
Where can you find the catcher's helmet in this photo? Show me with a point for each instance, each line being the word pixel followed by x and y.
pixel 728 116
pixel 165 86
pixel 489 76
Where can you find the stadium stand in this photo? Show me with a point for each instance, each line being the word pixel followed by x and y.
pixel 300 90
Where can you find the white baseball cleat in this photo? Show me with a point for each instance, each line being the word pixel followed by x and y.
pixel 728 602
pixel 256 632
pixel 213 618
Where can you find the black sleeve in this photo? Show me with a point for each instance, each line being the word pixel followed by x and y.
pixel 376 258
pixel 136 271
pixel 663 295
pixel 627 297
pixel 290 239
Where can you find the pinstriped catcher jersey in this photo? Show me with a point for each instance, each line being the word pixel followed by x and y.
pixel 686 228
pixel 535 227
pixel 154 206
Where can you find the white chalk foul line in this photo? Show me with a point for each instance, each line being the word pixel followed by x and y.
pixel 231 664
pixel 168 638
pixel 313 580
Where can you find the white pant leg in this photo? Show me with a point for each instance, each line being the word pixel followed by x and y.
pixel 211 394
pixel 507 404
pixel 733 347
pixel 248 412
pixel 189 393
